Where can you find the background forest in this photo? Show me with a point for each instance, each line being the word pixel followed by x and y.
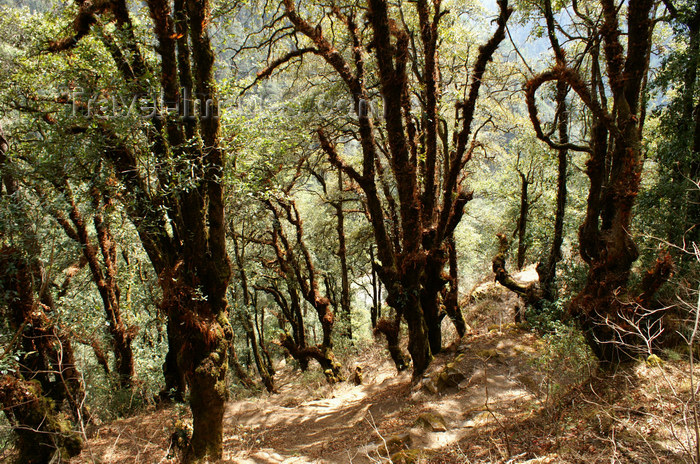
pixel 202 199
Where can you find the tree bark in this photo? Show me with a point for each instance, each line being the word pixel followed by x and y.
pixel 451 299
pixel 391 330
pixel 529 293
pixel 257 357
pixel 523 218
pixel 40 430
pixel 241 373
pixel 342 256
pixel 547 271
pixel 375 310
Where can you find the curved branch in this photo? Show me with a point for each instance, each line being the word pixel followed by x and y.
pixel 82 24
pixel 572 78
pixel 267 72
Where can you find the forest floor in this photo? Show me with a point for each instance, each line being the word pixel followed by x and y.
pixel 500 395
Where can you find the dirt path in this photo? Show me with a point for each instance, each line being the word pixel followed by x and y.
pixel 344 423
pixel 346 426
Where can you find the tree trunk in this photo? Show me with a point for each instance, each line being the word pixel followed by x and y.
pixel 391 330
pixel 41 432
pixel 259 361
pixel 547 271
pixel 433 283
pixel 529 293
pixel 205 332
pixel 451 299
pixel 298 332
pixel 522 219
pixel 418 339
pixel 175 385
pixel 342 255
pixel 376 309
pixel 605 242
pixel 241 373
pixel 259 328
pixel 208 392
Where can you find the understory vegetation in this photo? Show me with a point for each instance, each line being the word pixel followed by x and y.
pixel 349 231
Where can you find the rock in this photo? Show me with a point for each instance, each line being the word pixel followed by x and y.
pixel 503 328
pixel 523 349
pixel 479 420
pixel 448 377
pixel 431 421
pixel 409 456
pixel 491 353
pixel 429 387
pixel 358 377
pixel 654 361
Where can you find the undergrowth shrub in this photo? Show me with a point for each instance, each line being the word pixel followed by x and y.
pixel 566 360
pixel 548 318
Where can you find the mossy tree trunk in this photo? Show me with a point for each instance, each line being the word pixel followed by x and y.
pixel 451 296
pixel 178 211
pixel 45 379
pixel 604 306
pixel 43 435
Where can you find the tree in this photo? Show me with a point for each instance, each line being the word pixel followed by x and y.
pixel 104 272
pixel 34 389
pixel 301 273
pixel 178 210
pixel 614 165
pixel 410 173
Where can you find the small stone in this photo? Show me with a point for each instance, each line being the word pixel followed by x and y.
pixel 490 354
pixel 409 456
pixel 432 421
pixel 479 420
pixel 654 361
pixel 429 387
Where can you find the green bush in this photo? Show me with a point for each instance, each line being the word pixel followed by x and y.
pixel 566 360
pixel 548 318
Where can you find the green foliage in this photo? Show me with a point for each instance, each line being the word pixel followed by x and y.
pixel 565 360
pixel 547 319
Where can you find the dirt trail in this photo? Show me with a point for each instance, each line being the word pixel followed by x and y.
pixel 346 426
pixel 345 423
